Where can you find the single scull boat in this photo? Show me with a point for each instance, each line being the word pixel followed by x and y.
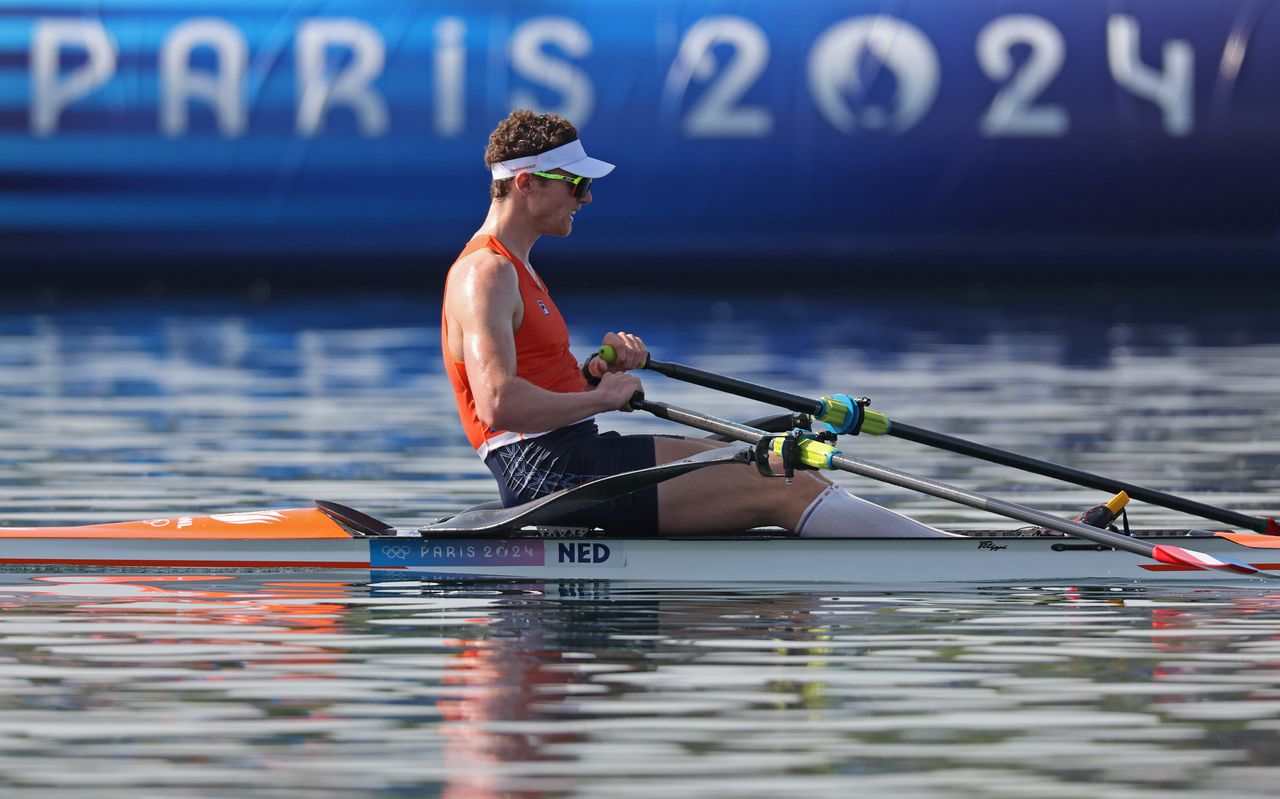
pixel 332 537
pixel 525 542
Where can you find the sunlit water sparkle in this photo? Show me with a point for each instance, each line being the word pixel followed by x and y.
pixel 303 685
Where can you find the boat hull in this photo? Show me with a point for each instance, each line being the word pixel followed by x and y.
pixel 332 538
pixel 747 559
pixel 792 560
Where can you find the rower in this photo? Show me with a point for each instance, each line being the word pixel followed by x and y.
pixel 529 408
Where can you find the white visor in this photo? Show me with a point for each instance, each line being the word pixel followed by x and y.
pixel 569 157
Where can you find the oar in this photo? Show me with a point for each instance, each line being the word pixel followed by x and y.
pixel 554 506
pixel 821 455
pixel 845 415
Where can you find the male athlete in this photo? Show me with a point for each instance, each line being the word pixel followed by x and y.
pixel 527 405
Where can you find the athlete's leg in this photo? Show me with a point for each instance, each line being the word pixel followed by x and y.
pixel 731 497
pixel 738 497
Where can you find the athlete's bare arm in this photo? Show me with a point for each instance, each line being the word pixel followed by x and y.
pixel 483 308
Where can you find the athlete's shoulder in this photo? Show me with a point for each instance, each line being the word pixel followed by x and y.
pixel 485 258
pixel 484 283
pixel 483 265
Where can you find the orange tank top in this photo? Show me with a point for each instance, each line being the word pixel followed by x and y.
pixel 542 350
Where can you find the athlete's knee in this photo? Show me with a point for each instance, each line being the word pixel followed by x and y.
pixel 776 500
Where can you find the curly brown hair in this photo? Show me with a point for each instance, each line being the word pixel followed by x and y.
pixel 524 133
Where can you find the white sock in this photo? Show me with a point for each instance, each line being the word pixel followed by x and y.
pixel 836 513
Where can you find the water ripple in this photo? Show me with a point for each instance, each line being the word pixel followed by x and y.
pixel 281 686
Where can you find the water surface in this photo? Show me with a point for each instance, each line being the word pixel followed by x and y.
pixel 283 685
pixel 280 687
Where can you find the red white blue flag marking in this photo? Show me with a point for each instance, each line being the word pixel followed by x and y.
pixel 1177 556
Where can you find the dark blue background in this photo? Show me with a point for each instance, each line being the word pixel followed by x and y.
pixel 805 200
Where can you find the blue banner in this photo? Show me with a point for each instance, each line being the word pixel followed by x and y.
pixel 354 130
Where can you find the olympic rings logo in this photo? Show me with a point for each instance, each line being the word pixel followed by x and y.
pixel 395 551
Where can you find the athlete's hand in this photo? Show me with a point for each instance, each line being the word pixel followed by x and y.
pixel 629 351
pixel 616 390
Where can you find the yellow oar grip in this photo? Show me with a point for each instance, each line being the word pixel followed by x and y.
pixel 842 414
pixel 874 423
pixel 834 413
pixel 814 454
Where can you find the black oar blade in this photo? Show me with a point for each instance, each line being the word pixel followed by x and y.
pixel 555 506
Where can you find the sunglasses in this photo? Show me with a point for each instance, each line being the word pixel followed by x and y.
pixel 580 184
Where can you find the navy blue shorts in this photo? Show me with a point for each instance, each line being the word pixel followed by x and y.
pixel 573 455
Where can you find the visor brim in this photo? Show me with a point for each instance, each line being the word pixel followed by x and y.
pixel 589 168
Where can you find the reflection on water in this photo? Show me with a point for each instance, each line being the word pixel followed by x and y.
pixel 281 685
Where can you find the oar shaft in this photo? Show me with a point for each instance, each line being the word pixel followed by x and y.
pixel 712 424
pixel 771 396
pixel 1076 476
pixel 894 477
pixel 816 408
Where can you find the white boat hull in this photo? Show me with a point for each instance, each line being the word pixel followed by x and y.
pixel 792 560
pixel 340 539
pixel 750 559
